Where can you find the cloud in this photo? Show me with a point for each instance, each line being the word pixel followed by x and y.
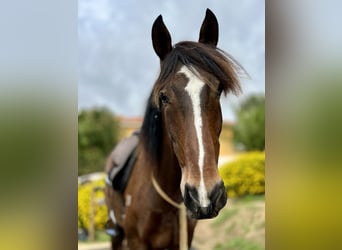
pixel 117 64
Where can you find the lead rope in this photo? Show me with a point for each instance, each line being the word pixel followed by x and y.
pixel 183 232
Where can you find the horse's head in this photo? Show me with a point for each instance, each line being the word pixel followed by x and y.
pixel 187 94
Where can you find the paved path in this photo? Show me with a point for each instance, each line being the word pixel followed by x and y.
pixel 94 246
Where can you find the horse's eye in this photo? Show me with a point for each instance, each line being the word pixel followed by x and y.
pixel 163 98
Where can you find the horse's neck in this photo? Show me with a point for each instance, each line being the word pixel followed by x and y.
pixel 168 173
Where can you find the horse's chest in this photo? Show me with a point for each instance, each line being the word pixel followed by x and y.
pixel 159 230
pixel 164 232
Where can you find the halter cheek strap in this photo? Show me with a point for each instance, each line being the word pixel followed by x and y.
pixel 183 227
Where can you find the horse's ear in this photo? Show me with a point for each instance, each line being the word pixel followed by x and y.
pixel 161 38
pixel 209 29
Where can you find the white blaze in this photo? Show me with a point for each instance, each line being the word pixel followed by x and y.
pixel 194 89
pixel 112 216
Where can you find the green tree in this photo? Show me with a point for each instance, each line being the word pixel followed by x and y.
pixel 98 131
pixel 249 131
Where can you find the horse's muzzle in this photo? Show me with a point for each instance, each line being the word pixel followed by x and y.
pixel 217 198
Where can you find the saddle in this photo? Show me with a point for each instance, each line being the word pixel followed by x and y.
pixel 122 159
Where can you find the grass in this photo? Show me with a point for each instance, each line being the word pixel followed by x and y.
pixel 231 228
pixel 101 236
pixel 224 216
pixel 251 198
pixel 227 221
pixel 238 244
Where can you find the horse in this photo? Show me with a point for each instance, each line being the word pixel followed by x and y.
pixel 178 146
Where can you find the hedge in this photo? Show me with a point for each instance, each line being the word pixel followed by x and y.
pixel 245 175
pixel 84 192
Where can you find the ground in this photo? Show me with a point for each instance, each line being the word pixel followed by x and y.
pixel 239 226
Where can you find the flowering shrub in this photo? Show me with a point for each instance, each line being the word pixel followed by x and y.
pixel 245 175
pixel 84 196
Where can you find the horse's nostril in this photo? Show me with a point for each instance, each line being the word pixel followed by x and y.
pixel 191 196
pixel 219 194
pixel 219 197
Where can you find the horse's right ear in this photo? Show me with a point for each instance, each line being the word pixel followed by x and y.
pixel 209 30
pixel 161 38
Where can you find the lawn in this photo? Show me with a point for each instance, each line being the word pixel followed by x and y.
pixel 239 226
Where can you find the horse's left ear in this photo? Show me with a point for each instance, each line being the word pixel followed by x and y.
pixel 161 38
pixel 209 29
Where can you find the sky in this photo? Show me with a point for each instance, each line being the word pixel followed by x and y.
pixel 117 63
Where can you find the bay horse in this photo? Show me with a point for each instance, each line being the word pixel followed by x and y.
pixel 178 143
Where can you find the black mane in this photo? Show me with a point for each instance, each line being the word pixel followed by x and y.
pixel 205 58
pixel 151 131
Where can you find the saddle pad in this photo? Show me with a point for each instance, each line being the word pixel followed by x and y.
pixel 123 158
pixel 120 180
